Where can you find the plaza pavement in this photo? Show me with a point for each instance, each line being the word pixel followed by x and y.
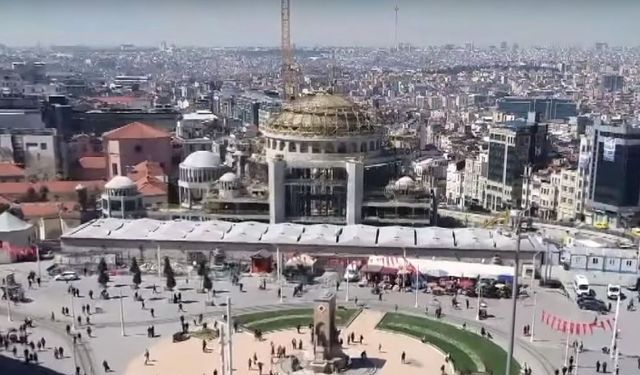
pixel 187 357
pixel 109 344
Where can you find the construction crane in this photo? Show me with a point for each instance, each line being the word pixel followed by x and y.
pixel 289 70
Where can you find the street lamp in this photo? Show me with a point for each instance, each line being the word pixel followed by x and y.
pixel 514 289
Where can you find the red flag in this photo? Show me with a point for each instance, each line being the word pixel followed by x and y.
pixel 572 328
pixel 552 322
pixel 565 326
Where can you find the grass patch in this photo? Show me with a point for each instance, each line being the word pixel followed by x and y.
pixel 282 319
pixel 470 352
pixel 205 334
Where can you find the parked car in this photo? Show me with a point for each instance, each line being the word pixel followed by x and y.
pixel 593 304
pixel 613 291
pixel 67 276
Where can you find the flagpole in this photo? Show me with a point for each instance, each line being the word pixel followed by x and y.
pixel 566 348
pixel 615 328
pixel 417 269
pixel 479 296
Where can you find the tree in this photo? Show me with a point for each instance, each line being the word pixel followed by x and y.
pixel 202 272
pixel 171 281
pixel 43 192
pixel 167 270
pixel 103 279
pixel 102 266
pixel 137 279
pixel 30 196
pixel 134 268
pixel 207 284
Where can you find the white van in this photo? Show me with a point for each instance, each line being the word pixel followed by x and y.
pixel 581 285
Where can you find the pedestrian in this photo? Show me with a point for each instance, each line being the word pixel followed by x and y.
pixel 79 320
pixel 403 357
pixel 564 370
pixel 106 367
pixel 204 346
pixel 395 307
pixel 142 303
pixel 56 354
pixel 61 352
pixel 83 309
pixel 90 294
pixel 35 357
pixel 249 362
pixel 68 329
pixel 53 317
pixel 598 366
pixel 89 331
pixel 43 342
pixel 88 309
pixel 380 296
pixel 361 338
pixel 180 307
pixel 153 312
pixel 38 281
pixel 146 357
pixel 88 320
pixel 260 368
pixel 355 301
pixel 298 328
pixel 604 367
pixel 77 370
pixel 467 302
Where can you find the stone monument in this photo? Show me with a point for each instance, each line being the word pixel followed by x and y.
pixel 327 353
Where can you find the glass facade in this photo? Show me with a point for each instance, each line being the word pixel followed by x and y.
pixel 617 180
pixel 548 108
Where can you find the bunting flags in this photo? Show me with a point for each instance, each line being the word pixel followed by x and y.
pixel 575 328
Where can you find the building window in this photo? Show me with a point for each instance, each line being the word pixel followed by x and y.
pixel 137 148
pixel 595 261
pixel 114 169
pixel 43 146
pixel 629 263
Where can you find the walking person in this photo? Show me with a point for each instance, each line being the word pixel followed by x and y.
pixel 146 357
pixel 597 366
pixel 105 366
pixel 403 357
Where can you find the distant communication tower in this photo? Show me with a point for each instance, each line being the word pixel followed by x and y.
pixel 289 71
pixel 395 32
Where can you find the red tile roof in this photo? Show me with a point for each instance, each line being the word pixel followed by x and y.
pixel 146 168
pixel 136 130
pixel 93 162
pixel 55 187
pixel 11 170
pixel 150 186
pixel 47 209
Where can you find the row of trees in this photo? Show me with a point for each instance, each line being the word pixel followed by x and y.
pixel 203 271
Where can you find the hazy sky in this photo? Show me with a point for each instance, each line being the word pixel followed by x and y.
pixel 319 22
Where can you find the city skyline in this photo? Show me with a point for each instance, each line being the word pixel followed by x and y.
pixel 245 23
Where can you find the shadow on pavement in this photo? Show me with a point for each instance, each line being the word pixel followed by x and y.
pixel 14 366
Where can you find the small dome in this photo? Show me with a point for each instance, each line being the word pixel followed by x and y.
pixel 201 159
pixel 404 182
pixel 228 177
pixel 120 182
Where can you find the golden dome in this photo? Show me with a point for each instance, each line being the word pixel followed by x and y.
pixel 322 115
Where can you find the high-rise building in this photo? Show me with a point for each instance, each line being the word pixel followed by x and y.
pixel 512 146
pixel 614 191
pixel 545 108
pixel 612 82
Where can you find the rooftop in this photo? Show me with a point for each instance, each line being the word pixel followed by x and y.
pixel 214 231
pixel 136 130
pixel 11 170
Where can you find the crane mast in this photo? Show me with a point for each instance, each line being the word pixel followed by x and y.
pixel 288 69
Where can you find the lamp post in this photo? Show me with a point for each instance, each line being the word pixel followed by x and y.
pixel 73 311
pixel 279 270
pixel 479 298
pixel 614 336
pixel 533 314
pixel 348 276
pixel 121 313
pixel 6 294
pixel 514 289
pixel 417 285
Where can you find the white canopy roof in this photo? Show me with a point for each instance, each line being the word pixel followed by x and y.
pixel 10 223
